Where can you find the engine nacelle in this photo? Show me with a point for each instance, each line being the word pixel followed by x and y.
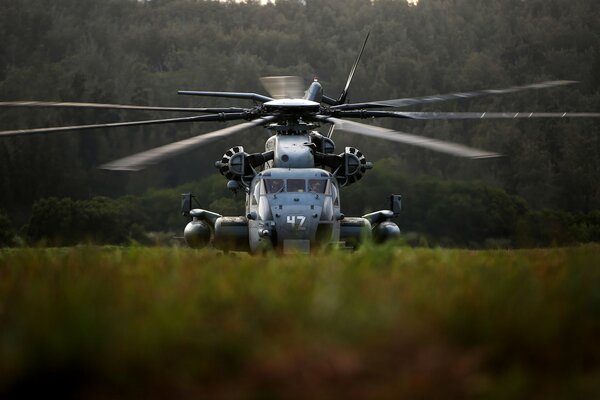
pixel 354 166
pixel 197 234
pixel 233 165
pixel 231 234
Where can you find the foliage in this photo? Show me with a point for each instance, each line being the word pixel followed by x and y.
pixel 6 230
pixel 65 221
pixel 131 218
pixel 551 227
pixel 390 322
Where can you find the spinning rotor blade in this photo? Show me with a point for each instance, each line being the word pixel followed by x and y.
pixel 215 117
pixel 42 104
pixel 410 101
pixel 153 156
pixel 461 115
pixel 284 87
pixel 234 95
pixel 414 140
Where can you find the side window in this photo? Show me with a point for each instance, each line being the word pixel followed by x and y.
pixel 334 195
pixel 256 193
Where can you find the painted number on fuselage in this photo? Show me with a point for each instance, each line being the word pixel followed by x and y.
pixel 297 222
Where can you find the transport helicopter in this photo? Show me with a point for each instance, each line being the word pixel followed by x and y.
pixel 293 187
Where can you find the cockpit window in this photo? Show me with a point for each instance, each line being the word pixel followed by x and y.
pixel 274 185
pixel 317 185
pixel 296 185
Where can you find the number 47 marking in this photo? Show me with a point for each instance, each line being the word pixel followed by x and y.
pixel 297 221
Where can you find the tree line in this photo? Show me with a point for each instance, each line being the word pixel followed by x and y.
pixel 435 213
pixel 132 52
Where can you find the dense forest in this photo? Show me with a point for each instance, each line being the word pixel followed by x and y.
pixel 545 190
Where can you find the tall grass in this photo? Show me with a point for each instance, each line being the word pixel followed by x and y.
pixel 384 322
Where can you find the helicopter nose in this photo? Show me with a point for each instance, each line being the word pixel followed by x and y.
pixel 297 222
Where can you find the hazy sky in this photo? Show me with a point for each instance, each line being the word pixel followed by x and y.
pixel 272 1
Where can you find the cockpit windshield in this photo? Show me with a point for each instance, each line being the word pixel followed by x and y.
pixel 295 185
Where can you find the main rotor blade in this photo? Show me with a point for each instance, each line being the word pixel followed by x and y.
pixel 235 95
pixel 410 101
pixel 413 140
pixel 352 71
pixel 153 156
pixel 197 118
pixel 43 104
pixel 461 115
pixel 284 87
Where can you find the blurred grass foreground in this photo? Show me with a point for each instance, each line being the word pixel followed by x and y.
pixel 386 322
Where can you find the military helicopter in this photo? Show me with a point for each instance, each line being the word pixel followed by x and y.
pixel 293 187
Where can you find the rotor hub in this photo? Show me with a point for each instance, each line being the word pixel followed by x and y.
pixel 292 106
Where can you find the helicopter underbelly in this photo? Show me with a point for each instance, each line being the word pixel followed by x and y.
pixel 292 232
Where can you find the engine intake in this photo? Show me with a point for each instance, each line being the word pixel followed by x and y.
pixel 234 165
pixel 354 166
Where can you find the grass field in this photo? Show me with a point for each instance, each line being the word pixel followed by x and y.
pixel 107 322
